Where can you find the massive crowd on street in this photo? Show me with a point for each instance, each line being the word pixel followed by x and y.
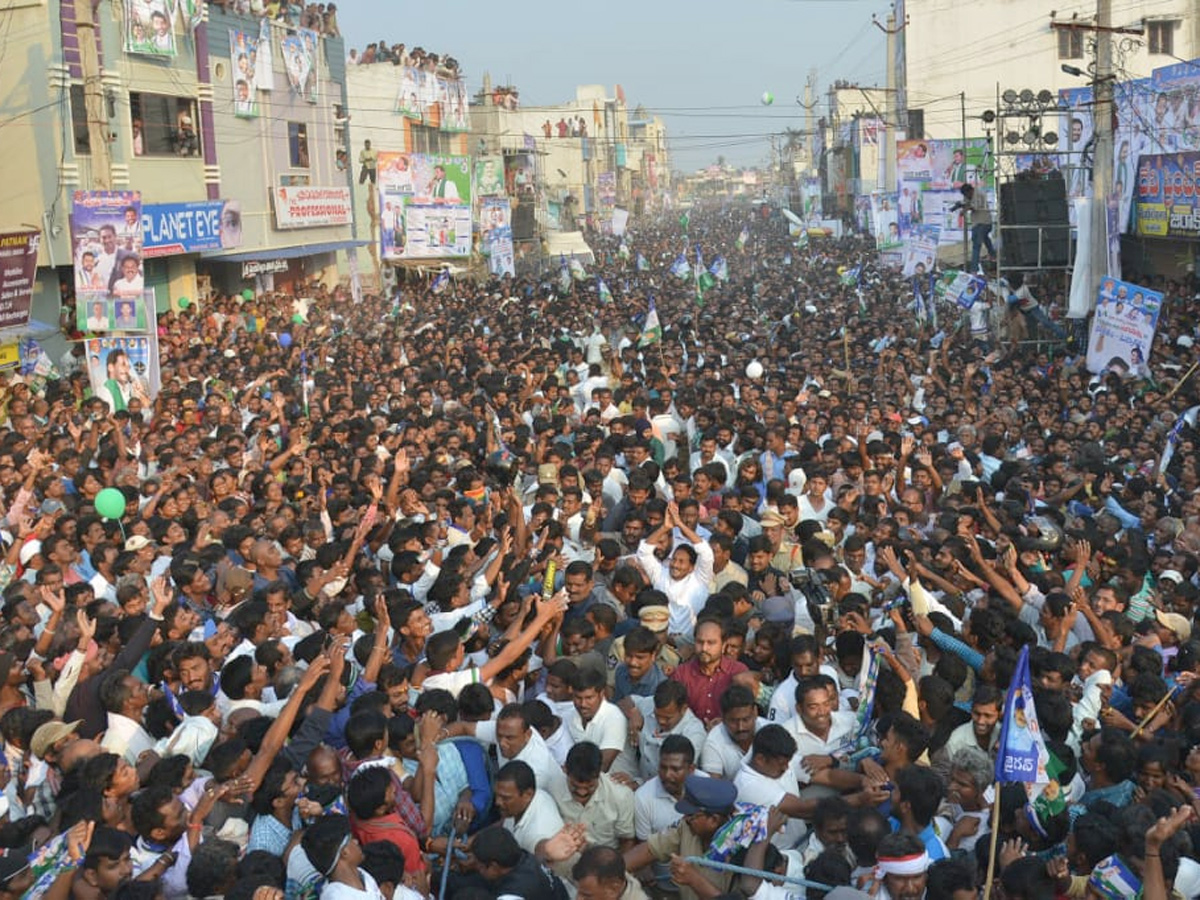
pixel 488 573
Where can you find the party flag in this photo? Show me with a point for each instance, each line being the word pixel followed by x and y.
pixel 577 270
pixel 868 682
pixel 684 221
pixel 851 276
pixel 1189 419
pixel 623 250
pixel 652 329
pixel 743 237
pixel 440 282
pixel 564 275
pixel 641 263
pixel 719 269
pixel 602 289
pixel 680 268
pixel 1021 753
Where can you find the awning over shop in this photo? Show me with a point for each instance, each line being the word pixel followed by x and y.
pixel 284 252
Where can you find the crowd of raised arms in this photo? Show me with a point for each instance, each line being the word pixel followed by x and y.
pixel 488 573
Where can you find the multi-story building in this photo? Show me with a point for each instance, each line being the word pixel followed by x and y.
pixel 979 49
pixel 176 130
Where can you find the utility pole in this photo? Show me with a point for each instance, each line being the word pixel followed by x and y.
pixel 894 125
pixel 1102 164
pixel 962 99
pixel 900 63
pixel 93 97
pixel 810 123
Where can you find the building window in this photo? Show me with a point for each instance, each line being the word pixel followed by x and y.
pixel 1161 36
pixel 163 125
pixel 79 123
pixel 428 140
pixel 1070 43
pixel 298 145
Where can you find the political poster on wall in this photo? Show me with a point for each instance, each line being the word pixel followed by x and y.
pixel 942 164
pixel 150 27
pixel 124 368
pixel 243 56
pixel 884 221
pixel 454 105
pixel 18 273
pixel 495 222
pixel 191 13
pixel 519 174
pixel 263 77
pixel 1168 195
pixel 811 191
pixel 489 176
pixel 300 62
pixel 920 250
pixel 425 204
pixel 936 210
pixel 99 316
pixel 408 98
pixel 1123 327
pixel 106 244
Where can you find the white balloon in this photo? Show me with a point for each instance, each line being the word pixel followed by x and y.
pixel 754 370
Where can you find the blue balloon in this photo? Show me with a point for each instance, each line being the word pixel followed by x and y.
pixel 285 340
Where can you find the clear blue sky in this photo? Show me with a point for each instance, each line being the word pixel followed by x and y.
pixel 702 65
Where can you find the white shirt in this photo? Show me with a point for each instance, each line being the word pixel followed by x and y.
pixel 546 769
pixel 607 729
pixel 453 682
pixel 809 744
pixel 539 822
pixel 650 739
pixel 654 809
pixel 783 699
pixel 685 596
pixel 335 890
pixel 126 738
pixel 722 757
pixel 755 787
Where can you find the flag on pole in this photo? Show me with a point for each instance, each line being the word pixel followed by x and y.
pixel 684 221
pixel 802 240
pixel 602 289
pixel 577 270
pixel 719 269
pixel 1021 754
pixel 623 250
pixel 441 281
pixel 641 264
pixel 851 276
pixel 1189 419
pixel 652 329
pixel 743 237
pixel 704 280
pixel 680 268
pixel 564 275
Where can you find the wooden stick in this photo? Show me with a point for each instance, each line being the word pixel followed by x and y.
pixel 991 870
pixel 1179 384
pixel 1154 712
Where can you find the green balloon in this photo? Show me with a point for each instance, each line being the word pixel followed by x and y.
pixel 247 294
pixel 110 503
pixel 184 302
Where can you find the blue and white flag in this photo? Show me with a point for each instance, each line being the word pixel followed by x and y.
pixel 441 281
pixel 743 238
pixel 719 269
pixel 1189 419
pixel 1021 754
pixel 577 270
pixel 680 268
pixel 602 289
pixel 651 329
pixel 641 263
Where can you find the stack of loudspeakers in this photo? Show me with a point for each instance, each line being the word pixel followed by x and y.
pixel 1040 202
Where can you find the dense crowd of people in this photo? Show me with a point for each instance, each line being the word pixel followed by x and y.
pixel 488 574
pixel 318 17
